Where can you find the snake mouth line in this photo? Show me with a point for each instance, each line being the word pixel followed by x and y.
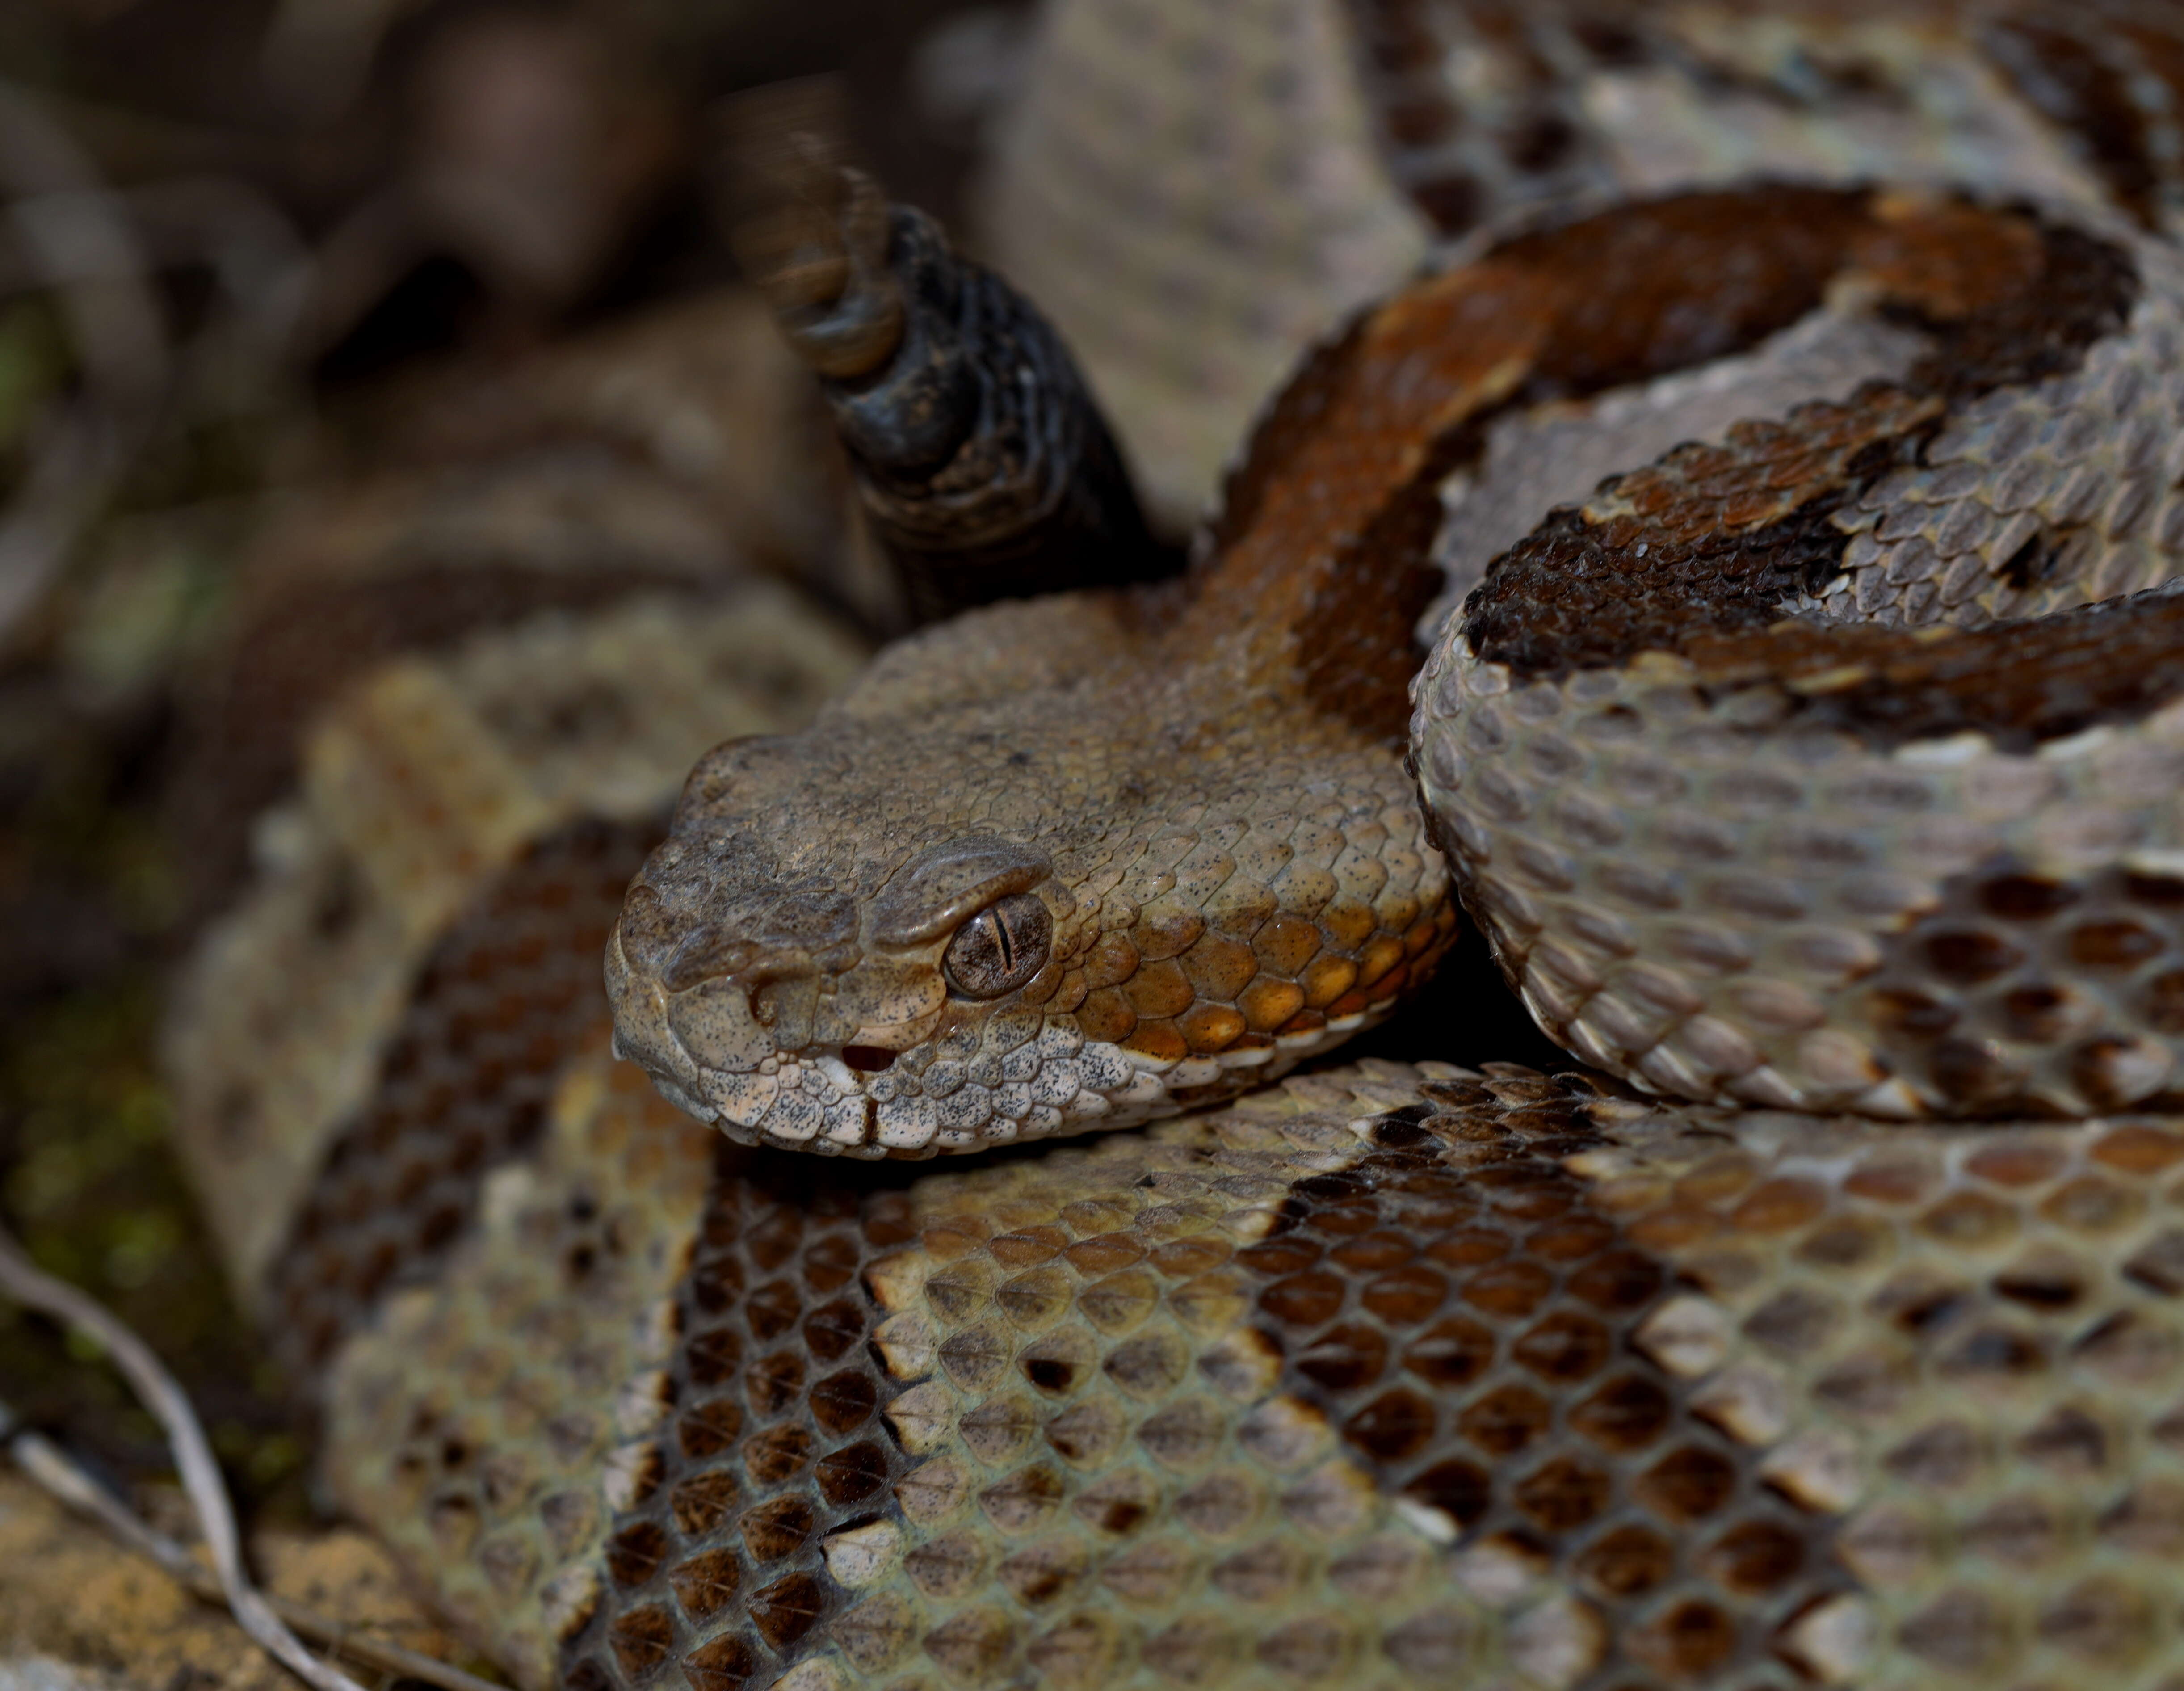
pixel 864 1101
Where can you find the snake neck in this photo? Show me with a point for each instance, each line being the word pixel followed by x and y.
pixel 1316 572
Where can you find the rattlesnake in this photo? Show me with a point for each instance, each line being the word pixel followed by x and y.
pixel 1392 1373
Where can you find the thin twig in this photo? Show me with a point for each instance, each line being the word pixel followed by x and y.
pixel 54 1471
pixel 51 1469
pixel 24 1280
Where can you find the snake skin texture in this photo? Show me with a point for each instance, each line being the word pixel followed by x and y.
pixel 1389 1376
pixel 1251 912
pixel 1194 194
pixel 1799 722
pixel 1948 764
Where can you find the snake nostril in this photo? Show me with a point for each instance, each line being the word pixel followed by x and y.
pixel 784 1001
pixel 868 1058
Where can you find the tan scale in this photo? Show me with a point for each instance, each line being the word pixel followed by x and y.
pixel 505 1472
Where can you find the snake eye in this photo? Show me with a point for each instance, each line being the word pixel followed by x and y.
pixel 999 948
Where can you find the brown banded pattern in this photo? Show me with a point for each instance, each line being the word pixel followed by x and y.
pixel 463 1085
pixel 420 784
pixel 1386 1377
pixel 1363 133
pixel 1718 748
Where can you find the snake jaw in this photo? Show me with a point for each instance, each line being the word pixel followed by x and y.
pixel 754 1035
pixel 961 1074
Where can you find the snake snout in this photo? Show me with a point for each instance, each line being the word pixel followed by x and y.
pixel 730 987
pixel 704 1037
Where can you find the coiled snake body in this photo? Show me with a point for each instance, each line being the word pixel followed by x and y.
pixel 1808 744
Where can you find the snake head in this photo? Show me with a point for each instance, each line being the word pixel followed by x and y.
pixel 807 963
pixel 993 893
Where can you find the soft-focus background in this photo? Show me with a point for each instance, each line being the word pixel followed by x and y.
pixel 271 272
